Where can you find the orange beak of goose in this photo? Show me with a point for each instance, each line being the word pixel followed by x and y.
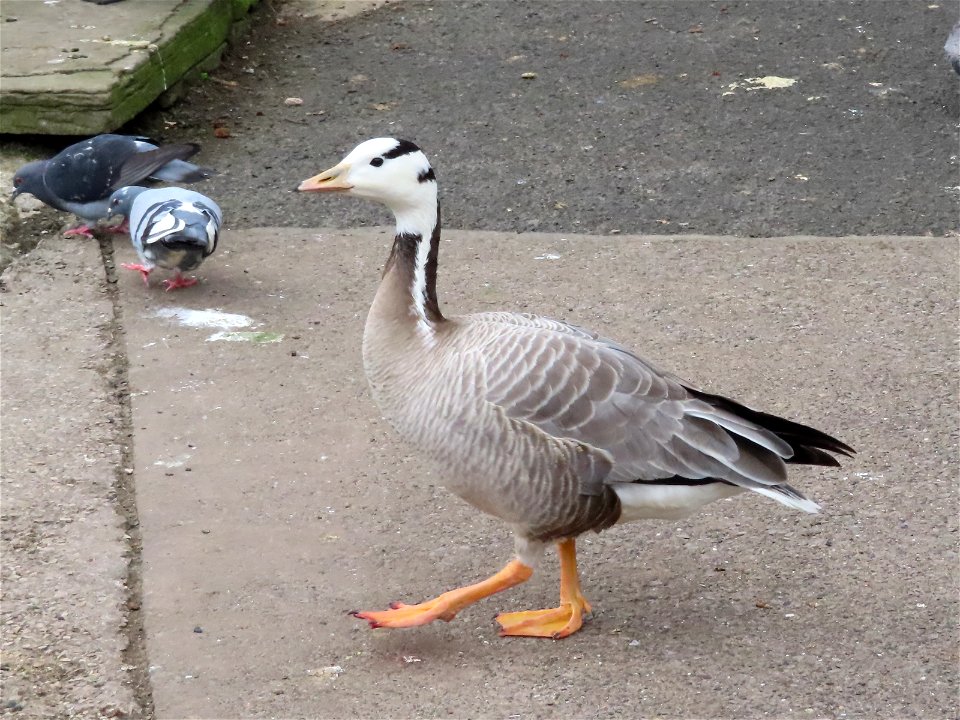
pixel 328 180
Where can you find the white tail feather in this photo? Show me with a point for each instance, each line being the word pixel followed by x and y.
pixel 797 503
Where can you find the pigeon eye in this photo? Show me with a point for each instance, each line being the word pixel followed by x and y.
pixel 377 161
pixel 17 182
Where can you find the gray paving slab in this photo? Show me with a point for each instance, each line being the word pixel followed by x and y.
pixel 65 547
pixel 273 498
pixel 75 68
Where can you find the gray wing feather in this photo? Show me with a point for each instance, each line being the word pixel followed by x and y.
pixel 574 384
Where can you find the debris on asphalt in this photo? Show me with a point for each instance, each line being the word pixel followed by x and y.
pixel 767 82
pixel 639 81
pixel 254 337
pixel 331 671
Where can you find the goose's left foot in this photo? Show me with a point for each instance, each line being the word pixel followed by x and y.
pixel 446 606
pixel 558 622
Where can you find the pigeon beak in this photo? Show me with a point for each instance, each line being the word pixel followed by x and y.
pixel 329 180
pixel 15 193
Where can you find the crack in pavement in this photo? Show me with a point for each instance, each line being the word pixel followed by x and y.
pixel 135 659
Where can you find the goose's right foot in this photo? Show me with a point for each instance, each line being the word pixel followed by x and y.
pixel 446 606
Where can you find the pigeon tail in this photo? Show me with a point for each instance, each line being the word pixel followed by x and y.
pixel 180 171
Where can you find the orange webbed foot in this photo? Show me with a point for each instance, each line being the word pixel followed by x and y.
pixel 556 623
pixel 401 615
pixel 446 606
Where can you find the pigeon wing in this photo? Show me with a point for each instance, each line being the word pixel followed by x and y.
pixel 88 170
pixel 144 164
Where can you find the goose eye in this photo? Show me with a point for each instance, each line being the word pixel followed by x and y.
pixel 377 161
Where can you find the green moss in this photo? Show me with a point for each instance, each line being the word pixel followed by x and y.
pixel 95 101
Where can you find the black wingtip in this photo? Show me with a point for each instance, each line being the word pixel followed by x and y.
pixel 808 443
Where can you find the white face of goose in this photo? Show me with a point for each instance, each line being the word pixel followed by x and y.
pixel 393 172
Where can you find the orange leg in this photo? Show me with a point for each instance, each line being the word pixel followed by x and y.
pixel 445 607
pixel 556 622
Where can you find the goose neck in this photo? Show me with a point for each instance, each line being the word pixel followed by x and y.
pixel 413 262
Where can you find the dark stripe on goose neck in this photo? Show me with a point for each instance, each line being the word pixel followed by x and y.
pixel 403 257
pixel 404 147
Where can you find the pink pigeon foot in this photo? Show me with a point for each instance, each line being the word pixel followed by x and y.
pixel 142 269
pixel 120 229
pixel 83 230
pixel 178 281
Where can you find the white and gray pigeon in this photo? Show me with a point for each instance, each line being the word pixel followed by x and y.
pixel 952 47
pixel 81 178
pixel 171 228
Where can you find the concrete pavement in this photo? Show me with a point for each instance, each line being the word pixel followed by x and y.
pixel 272 497
pixel 70 641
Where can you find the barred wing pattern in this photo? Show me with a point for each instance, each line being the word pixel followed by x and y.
pixel 571 383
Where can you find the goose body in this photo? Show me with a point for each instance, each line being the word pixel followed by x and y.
pixel 545 425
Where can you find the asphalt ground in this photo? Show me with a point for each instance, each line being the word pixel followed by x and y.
pixel 631 123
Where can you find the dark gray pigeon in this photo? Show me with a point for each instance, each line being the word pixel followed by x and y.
pixel 81 178
pixel 170 227
pixel 952 47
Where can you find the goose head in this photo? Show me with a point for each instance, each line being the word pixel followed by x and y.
pixel 390 171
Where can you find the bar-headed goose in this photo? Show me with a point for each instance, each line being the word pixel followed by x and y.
pixel 548 426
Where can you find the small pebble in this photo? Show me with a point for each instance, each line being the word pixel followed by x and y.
pixel 198 629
